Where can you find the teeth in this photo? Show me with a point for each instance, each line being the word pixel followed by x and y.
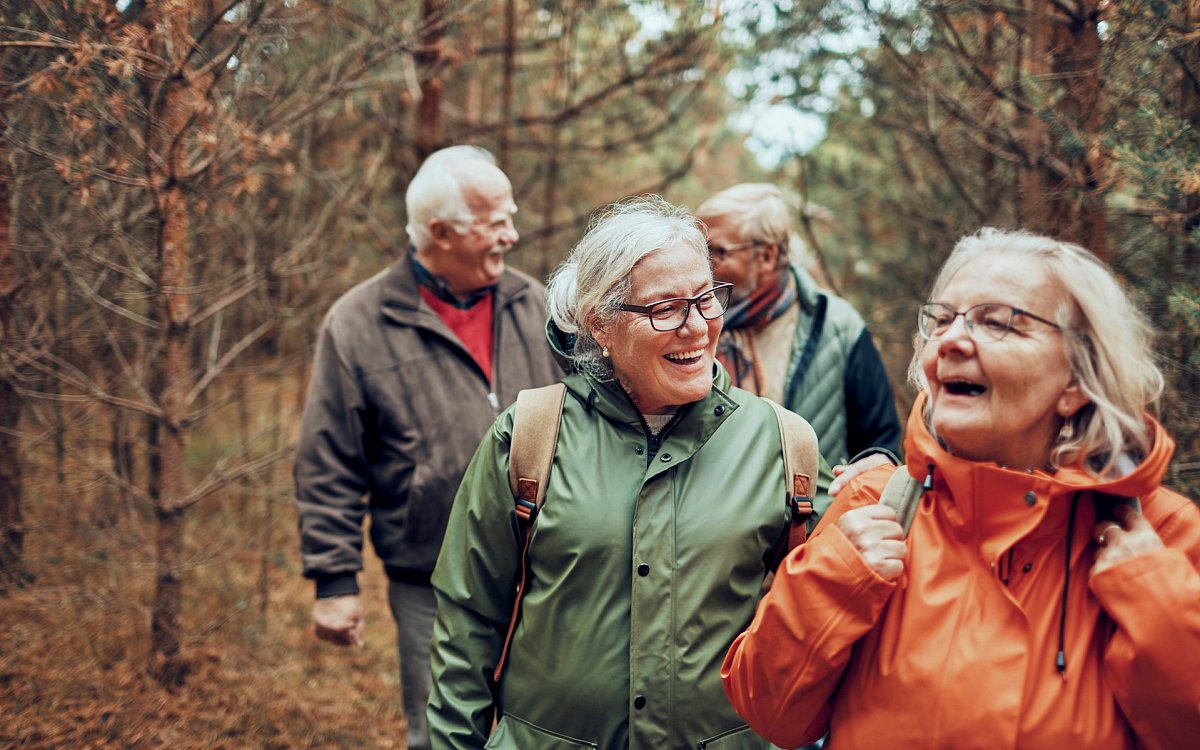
pixel 964 387
pixel 685 355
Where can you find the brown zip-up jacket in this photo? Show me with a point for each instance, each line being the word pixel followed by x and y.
pixel 396 407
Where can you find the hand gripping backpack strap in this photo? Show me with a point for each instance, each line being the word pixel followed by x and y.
pixel 534 438
pixel 801 461
pixel 902 494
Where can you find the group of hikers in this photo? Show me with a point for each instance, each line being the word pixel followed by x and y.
pixel 1026 581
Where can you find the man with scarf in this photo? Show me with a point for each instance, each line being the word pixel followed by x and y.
pixel 788 340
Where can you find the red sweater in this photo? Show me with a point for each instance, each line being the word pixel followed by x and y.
pixel 473 326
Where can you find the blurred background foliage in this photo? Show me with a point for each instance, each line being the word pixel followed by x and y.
pixel 186 185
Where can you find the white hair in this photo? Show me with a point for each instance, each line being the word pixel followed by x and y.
pixel 759 210
pixel 436 192
pixel 584 292
pixel 1107 342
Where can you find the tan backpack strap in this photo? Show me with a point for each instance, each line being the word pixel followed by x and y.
pixel 536 419
pixel 534 438
pixel 902 494
pixel 801 461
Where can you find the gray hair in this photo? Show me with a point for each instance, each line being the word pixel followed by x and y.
pixel 1106 339
pixel 758 209
pixel 584 292
pixel 436 192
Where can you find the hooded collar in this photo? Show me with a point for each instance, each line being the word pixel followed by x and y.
pixel 1000 506
pixel 694 423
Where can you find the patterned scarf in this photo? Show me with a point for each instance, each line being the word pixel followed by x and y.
pixel 735 349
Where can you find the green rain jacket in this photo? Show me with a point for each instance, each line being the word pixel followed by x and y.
pixel 646 562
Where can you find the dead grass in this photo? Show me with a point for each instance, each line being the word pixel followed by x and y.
pixel 75 643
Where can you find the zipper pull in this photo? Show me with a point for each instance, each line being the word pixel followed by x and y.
pixel 494 402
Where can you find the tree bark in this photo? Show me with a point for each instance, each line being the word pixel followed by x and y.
pixel 1033 192
pixel 1080 214
pixel 12 530
pixel 509 83
pixel 173 114
pixel 428 60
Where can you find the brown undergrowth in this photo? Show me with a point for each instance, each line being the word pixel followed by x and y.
pixel 74 643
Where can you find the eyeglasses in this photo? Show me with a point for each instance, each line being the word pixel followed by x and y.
pixel 987 322
pixel 671 314
pixel 721 252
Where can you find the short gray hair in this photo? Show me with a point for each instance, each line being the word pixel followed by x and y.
pixel 595 278
pixel 1107 341
pixel 758 209
pixel 436 192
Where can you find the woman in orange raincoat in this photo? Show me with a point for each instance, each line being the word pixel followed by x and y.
pixel 1016 612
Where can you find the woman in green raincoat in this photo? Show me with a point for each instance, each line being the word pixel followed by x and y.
pixel 663 514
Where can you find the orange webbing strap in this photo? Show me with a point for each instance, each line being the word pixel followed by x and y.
pixel 534 438
pixel 801 462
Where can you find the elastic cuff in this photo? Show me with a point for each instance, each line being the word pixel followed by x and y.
pixel 873 451
pixel 343 584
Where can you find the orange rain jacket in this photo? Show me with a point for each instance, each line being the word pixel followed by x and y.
pixel 961 653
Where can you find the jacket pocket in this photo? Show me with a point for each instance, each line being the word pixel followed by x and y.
pixel 738 738
pixel 512 733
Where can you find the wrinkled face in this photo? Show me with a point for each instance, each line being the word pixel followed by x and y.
pixel 1005 400
pixel 662 370
pixel 742 267
pixel 474 260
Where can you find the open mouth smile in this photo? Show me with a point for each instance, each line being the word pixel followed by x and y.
pixel 963 388
pixel 684 358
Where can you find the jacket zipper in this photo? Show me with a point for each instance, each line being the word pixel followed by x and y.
pixel 653 442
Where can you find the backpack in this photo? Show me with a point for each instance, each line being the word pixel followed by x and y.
pixel 536 420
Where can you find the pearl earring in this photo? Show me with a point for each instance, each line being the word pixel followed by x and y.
pixel 604 352
pixel 1067 431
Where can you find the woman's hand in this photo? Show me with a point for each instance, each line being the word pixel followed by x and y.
pixel 1129 536
pixel 878 537
pixel 843 473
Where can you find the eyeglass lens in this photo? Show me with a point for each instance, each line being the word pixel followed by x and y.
pixel 670 314
pixel 988 321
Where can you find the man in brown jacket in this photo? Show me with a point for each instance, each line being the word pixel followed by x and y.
pixel 412 366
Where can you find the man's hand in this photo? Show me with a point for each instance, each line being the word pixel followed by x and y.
pixel 878 537
pixel 844 473
pixel 1131 535
pixel 339 620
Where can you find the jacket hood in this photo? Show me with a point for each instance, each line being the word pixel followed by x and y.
pixel 562 344
pixel 1011 494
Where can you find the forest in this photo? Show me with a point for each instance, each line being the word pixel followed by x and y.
pixel 186 186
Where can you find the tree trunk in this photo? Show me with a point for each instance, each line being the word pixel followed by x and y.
pixel 1079 215
pixel 1189 104
pixel 990 201
pixel 428 59
pixel 12 531
pixel 1033 192
pixel 173 114
pixel 509 83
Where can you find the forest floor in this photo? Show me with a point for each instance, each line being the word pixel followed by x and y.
pixel 73 674
pixel 75 640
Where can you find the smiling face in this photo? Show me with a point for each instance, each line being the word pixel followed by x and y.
pixel 663 370
pixel 474 260
pixel 1005 400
